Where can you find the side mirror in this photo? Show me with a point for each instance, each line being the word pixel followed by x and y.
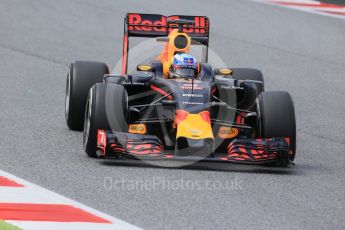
pixel 142 76
pixel 145 67
pixel 222 71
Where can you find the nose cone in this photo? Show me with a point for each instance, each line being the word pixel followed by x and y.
pixel 194 147
pixel 193 126
pixel 194 135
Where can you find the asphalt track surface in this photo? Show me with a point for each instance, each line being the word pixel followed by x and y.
pixel 299 52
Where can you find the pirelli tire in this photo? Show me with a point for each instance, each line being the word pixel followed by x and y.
pixel 277 119
pixel 82 75
pixel 106 109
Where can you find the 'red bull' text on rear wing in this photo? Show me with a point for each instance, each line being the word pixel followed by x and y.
pixel 155 25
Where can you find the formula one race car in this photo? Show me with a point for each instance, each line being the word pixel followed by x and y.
pixel 152 113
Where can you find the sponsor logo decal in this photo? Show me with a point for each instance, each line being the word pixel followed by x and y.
pixel 227 132
pixel 137 128
pixel 192 103
pixel 192 95
pixel 158 23
pixel 144 68
pixel 190 86
pixel 225 71
pixel 230 87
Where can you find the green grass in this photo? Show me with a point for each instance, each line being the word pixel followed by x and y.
pixel 7 226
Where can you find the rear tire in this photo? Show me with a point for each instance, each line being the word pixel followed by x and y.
pixel 277 118
pixel 106 109
pixel 81 76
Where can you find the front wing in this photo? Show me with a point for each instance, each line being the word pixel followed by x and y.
pixel 148 147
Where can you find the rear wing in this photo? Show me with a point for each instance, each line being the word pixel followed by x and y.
pixel 156 25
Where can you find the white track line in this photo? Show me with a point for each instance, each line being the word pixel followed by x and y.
pixel 314 7
pixel 35 194
pixel 26 195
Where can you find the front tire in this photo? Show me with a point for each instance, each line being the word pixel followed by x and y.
pixel 106 109
pixel 81 76
pixel 277 118
pixel 249 74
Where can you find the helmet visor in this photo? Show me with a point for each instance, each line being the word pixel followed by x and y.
pixel 185 72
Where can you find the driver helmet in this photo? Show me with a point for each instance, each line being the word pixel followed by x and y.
pixel 183 66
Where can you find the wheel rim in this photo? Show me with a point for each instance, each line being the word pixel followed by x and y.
pixel 87 118
pixel 67 95
pixel 259 126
